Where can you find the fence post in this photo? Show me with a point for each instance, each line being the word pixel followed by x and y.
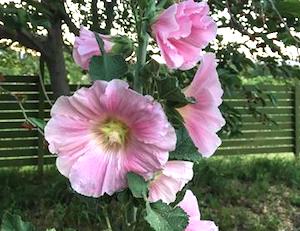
pixel 41 147
pixel 297 118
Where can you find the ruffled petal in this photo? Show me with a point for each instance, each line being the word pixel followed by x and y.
pixel 174 176
pixel 189 204
pixel 98 172
pixel 197 225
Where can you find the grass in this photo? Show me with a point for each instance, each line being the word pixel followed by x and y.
pixel 239 194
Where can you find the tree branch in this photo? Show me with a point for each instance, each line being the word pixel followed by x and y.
pixel 110 14
pixel 24 38
pixel 67 19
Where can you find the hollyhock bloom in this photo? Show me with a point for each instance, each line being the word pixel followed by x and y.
pixel 190 205
pixel 103 132
pixel 86 46
pixel 203 119
pixel 167 182
pixel 182 31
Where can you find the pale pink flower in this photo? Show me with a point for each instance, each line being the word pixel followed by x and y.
pixel 182 31
pixel 166 183
pixel 86 46
pixel 103 132
pixel 189 204
pixel 203 119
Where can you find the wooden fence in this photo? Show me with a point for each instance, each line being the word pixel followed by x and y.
pixel 20 146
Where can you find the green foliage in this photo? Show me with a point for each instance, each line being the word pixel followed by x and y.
pixel 137 185
pixel 107 67
pixel 14 223
pixel 185 148
pixel 248 193
pixel 169 90
pixel 163 217
pixel 39 123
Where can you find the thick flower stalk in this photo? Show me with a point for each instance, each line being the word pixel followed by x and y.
pixel 190 205
pixel 203 119
pixel 182 31
pixel 103 132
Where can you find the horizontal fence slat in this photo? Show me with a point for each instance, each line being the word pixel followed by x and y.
pixel 263 134
pixel 16 106
pixel 16 115
pixel 276 118
pixel 18 152
pixel 25 162
pixel 276 111
pixel 20 79
pixel 258 126
pixel 18 134
pixel 18 143
pixel 8 125
pixel 21 88
pixel 256 143
pixel 8 97
pixel 268 88
pixel 245 151
pixel 244 103
pixel 277 95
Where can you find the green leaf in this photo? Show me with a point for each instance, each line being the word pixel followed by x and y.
pixel 14 223
pixel 169 90
pixel 163 217
pixel 185 148
pixel 107 67
pixel 39 123
pixel 137 185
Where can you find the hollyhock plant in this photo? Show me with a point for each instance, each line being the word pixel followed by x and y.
pixel 203 119
pixel 182 31
pixel 166 183
pixel 86 46
pixel 103 132
pixel 189 204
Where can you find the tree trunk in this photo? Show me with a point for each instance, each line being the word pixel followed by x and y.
pixel 55 61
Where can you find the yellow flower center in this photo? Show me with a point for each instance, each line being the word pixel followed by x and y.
pixel 113 133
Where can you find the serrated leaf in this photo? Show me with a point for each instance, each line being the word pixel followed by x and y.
pixel 14 223
pixel 163 217
pixel 169 90
pixel 107 67
pixel 185 148
pixel 39 123
pixel 137 185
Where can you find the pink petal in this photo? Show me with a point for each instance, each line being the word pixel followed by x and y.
pixel 166 23
pixel 206 78
pixel 203 119
pixel 190 54
pixel 174 176
pixel 93 164
pixel 197 225
pixel 189 204
pixel 86 46
pixel 98 172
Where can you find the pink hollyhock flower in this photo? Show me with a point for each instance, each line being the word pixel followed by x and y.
pixel 203 119
pixel 167 182
pixel 86 46
pixel 190 205
pixel 103 132
pixel 181 31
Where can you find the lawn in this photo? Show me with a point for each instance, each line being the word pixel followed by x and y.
pixel 249 193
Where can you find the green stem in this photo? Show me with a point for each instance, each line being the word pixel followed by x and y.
pixel 109 228
pixel 141 60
